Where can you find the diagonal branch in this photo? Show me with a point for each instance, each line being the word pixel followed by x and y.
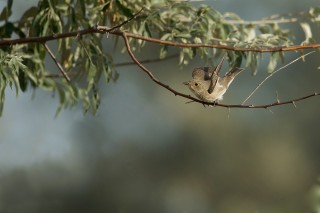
pixel 65 75
pixel 153 78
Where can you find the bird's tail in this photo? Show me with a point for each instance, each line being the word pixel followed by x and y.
pixel 234 72
pixel 229 76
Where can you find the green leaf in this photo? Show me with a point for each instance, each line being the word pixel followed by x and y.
pixel 252 62
pixel 163 51
pixel 6 30
pixel 62 6
pixel 5 14
pixel 166 36
pixel 22 81
pixel 307 31
pixel 29 13
pixel 147 31
pixel 264 29
pixel 123 9
pixel 273 62
pixel 2 92
pixel 236 59
pixel 9 3
pixel 91 76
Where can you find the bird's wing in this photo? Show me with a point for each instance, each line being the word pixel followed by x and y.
pixel 213 75
pixel 212 85
pixel 218 68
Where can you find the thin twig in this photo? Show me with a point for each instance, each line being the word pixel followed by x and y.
pixel 278 100
pixel 265 106
pixel 218 46
pixel 85 50
pixel 65 75
pixel 130 63
pixel 260 22
pixel 147 61
pixel 269 76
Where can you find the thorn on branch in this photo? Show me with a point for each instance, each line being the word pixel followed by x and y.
pixel 278 101
pixel 188 102
pixel 270 110
pixel 294 104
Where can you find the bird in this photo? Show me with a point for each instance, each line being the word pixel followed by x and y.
pixel 208 86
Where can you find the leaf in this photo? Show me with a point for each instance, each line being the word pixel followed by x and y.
pixel 95 100
pixel 91 76
pixel 252 62
pixel 123 9
pixel 264 29
pixel 102 7
pixel 233 16
pixel 6 30
pixel 62 97
pixel 22 81
pixel 9 3
pixel 62 6
pixel 5 14
pixel 147 31
pixel 2 92
pixel 181 57
pixel 237 59
pixel 30 13
pixel 249 59
pixel 163 51
pixel 307 31
pixel 273 62
pixel 166 36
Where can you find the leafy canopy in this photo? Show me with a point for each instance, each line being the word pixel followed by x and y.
pixel 86 60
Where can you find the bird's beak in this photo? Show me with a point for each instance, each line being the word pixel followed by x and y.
pixel 186 83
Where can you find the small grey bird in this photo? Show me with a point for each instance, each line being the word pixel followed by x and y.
pixel 208 86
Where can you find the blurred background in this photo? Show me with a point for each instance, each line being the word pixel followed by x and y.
pixel 148 151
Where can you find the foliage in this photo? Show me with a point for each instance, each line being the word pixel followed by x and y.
pixel 86 60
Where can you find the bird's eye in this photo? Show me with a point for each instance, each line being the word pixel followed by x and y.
pixel 196 84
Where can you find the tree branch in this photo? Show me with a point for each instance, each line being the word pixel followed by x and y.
pixel 116 31
pixel 176 93
pixel 65 75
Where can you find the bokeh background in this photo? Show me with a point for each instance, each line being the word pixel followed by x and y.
pixel 148 151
